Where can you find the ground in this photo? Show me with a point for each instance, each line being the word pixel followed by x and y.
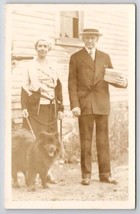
pixel 68 186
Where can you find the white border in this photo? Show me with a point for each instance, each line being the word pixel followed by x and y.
pixel 71 204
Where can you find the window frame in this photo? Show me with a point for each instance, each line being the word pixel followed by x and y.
pixel 67 41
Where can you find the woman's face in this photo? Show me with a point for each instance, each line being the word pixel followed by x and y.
pixel 42 48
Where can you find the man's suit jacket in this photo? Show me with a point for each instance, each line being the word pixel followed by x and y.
pixel 87 88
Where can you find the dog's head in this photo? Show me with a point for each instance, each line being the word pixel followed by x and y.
pixel 49 144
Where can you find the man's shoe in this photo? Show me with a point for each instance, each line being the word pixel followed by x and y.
pixel 109 180
pixel 85 181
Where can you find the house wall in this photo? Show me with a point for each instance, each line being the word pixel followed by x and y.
pixel 28 25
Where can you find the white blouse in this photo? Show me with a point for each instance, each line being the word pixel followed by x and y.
pixel 45 78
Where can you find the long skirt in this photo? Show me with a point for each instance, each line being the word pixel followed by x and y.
pixel 46 120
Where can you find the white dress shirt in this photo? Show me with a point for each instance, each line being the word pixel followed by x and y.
pixel 91 52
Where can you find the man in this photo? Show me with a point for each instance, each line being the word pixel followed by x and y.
pixel 89 101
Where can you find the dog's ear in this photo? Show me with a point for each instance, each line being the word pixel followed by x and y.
pixel 41 137
pixel 56 134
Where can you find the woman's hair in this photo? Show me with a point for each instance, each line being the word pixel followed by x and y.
pixel 47 40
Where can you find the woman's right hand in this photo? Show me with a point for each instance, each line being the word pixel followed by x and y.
pixel 25 113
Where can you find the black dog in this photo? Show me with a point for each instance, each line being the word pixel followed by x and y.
pixel 33 156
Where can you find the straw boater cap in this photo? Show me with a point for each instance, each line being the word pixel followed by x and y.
pixel 91 31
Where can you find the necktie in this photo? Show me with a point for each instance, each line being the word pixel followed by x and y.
pixel 91 54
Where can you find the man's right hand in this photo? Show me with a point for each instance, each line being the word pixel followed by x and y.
pixel 76 112
pixel 25 113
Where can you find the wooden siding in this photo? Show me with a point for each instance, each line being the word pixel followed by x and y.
pixel 26 26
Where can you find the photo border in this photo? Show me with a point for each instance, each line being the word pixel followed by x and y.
pixel 2 94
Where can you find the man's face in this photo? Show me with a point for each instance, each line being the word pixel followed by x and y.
pixel 90 40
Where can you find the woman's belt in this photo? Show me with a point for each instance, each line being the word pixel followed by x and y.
pixel 46 100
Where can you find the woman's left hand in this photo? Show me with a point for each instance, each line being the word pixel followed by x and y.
pixel 60 115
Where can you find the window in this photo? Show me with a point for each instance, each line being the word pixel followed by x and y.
pixel 69 27
pixel 69 24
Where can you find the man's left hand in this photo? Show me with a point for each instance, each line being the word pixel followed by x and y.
pixel 122 81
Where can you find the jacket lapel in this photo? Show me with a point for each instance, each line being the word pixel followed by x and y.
pixel 98 66
pixel 86 58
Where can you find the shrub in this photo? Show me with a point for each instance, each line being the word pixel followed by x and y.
pixel 118 136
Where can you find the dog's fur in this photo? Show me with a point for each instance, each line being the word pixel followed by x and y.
pixel 33 156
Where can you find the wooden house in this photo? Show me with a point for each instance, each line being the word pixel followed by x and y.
pixel 63 26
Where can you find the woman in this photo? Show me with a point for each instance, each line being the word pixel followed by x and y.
pixel 41 94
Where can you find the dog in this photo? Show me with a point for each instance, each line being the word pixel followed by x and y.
pixel 32 157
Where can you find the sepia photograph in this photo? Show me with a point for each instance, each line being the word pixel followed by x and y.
pixel 70 106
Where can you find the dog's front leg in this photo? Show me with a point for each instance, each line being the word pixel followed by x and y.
pixel 43 179
pixel 30 179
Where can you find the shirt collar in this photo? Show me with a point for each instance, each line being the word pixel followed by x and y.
pixel 89 50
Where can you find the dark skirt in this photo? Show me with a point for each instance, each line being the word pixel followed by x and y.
pixel 46 120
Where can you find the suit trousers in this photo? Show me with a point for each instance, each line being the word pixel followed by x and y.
pixel 86 128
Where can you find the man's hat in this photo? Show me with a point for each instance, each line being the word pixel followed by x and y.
pixel 91 31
